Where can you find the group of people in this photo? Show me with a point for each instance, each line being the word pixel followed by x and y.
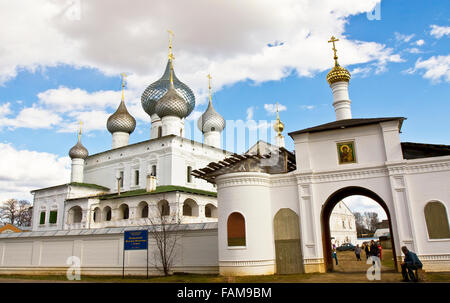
pixel 410 264
pixel 372 250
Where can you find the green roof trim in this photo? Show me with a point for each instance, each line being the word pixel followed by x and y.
pixel 159 189
pixel 89 185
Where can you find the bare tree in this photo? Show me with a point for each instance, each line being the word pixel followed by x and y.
pixel 372 220
pixel 16 212
pixel 165 229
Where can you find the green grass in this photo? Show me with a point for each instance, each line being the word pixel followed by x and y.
pixel 203 278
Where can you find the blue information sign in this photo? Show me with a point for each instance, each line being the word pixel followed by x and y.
pixel 135 239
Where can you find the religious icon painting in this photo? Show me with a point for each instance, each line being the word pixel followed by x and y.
pixel 346 152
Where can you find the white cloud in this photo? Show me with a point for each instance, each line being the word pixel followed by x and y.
pixel 413 50
pixel 113 37
pixel 361 71
pixel 25 170
pixel 439 31
pixel 403 37
pixel 363 204
pixel 436 68
pixel 272 108
pixel 4 109
pixel 32 117
pixel 307 107
pixel 419 42
pixel 250 112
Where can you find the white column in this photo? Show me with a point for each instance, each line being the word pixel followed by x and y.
pixel 171 125
pixel 341 100
pixel 213 138
pixel 77 170
pixel 156 123
pixel 120 139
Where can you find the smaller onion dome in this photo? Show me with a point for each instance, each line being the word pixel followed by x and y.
pixel 121 120
pixel 278 126
pixel 338 73
pixel 172 104
pixel 211 120
pixel 78 151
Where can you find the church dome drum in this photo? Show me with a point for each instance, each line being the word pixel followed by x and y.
pixel 156 90
pixel 78 151
pixel 121 120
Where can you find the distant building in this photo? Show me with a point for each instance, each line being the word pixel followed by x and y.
pixel 342 225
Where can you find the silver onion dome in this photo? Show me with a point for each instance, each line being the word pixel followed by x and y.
pixel 172 104
pixel 78 151
pixel 121 120
pixel 210 120
pixel 156 90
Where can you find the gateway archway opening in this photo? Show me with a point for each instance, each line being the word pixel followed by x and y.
pixel 337 226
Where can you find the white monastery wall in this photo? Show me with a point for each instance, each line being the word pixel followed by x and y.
pixel 102 254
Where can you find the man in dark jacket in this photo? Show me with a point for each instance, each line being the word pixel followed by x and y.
pixel 409 265
pixel 373 251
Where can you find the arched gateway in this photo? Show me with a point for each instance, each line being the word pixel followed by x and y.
pixel 327 208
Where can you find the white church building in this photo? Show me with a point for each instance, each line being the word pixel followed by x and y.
pixel 267 211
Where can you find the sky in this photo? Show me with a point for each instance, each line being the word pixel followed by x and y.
pixel 61 63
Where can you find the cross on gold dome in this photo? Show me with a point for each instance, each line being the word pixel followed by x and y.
pixel 333 40
pixel 123 86
pixel 209 79
pixel 79 132
pixel 171 56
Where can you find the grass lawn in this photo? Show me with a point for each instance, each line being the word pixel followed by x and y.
pixel 348 270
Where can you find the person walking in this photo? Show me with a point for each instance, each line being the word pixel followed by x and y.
pixel 334 256
pixel 367 250
pixel 358 252
pixel 373 251
pixel 379 250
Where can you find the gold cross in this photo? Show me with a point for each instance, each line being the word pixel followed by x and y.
pixel 79 132
pixel 123 86
pixel 278 116
pixel 333 40
pixel 170 43
pixel 209 79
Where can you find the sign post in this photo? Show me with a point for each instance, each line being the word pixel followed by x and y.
pixel 134 240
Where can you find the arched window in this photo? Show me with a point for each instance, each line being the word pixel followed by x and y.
pixel 437 221
pixel 210 211
pixel 107 213
pixel 189 176
pixel 143 209
pixel 190 208
pixel 236 229
pixel 75 215
pixel 124 211
pixel 96 215
pixel 164 208
pixel 159 131
pixel 187 210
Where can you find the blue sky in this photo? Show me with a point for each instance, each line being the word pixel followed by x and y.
pixel 62 63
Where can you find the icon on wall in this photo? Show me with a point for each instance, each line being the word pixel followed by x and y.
pixel 346 152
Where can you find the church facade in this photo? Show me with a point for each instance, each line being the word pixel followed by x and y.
pixel 263 212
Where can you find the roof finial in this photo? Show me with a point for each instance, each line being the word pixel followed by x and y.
pixel 278 126
pixel 171 56
pixel 209 79
pixel 333 40
pixel 123 86
pixel 79 132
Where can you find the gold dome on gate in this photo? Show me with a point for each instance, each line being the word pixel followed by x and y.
pixel 337 73
pixel 278 126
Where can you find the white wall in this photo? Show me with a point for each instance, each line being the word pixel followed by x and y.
pixel 101 254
